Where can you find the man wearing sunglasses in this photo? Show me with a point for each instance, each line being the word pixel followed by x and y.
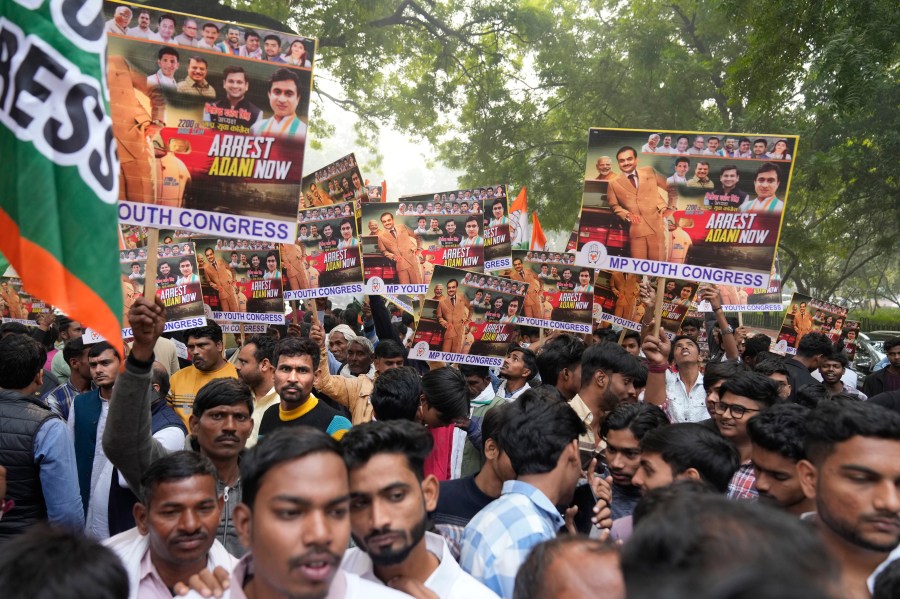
pixel 741 398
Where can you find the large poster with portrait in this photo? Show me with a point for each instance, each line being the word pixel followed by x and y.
pixel 210 120
pixel 468 318
pixel 16 304
pixel 177 283
pixel 697 206
pixel 750 299
pixel 325 260
pixel 618 300
pixel 560 295
pixel 241 286
pixel 806 314
pixel 335 183
pixel 403 243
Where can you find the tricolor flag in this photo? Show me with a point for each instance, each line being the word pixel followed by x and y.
pixel 538 239
pixel 518 221
pixel 60 171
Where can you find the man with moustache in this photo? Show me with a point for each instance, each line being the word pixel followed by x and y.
pixel 221 278
pixel 390 498
pixel 532 308
pixel 701 176
pixel 852 471
pixel 634 197
pixel 399 244
pixel 727 195
pixel 453 313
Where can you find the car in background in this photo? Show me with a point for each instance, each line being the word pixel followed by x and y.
pixel 869 352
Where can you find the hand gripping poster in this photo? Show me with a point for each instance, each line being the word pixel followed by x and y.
pixel 703 207
pixel 239 290
pixel 560 295
pixel 210 120
pixel 468 318
pixel 806 314
pixel 325 260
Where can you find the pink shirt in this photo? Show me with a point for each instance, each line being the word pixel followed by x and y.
pixel 151 585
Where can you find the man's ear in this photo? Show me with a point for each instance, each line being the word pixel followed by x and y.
pixel 430 491
pixel 491 451
pixel 265 365
pixel 690 473
pixel 141 514
pixel 243 523
pixel 808 475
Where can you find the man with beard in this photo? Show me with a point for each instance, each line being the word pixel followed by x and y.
pixel 175 536
pixel 607 379
pixel 777 436
pixel 390 498
pixel 604 169
pixel 852 470
pixel 221 278
pixel 519 367
pixel 741 398
pixel 296 365
pixel 204 346
pixel 623 430
pixel 541 439
pixel 255 366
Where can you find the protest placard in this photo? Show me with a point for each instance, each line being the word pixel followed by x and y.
pixel 560 294
pixel 403 244
pixel 806 314
pixel 237 290
pixel 618 295
pixel 16 304
pixel 325 260
pixel 335 183
pixel 468 318
pixel 750 299
pixel 685 213
pixel 210 132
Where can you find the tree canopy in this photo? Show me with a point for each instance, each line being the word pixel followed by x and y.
pixel 506 90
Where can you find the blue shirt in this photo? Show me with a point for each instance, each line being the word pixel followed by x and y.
pixel 54 454
pixel 498 539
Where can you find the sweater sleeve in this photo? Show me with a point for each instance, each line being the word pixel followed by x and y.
pixel 127 440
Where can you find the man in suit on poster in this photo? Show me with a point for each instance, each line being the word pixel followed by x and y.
pixel 532 308
pixel 399 244
pixel 453 314
pixel 293 259
pixel 626 288
pixel 221 278
pixel 634 197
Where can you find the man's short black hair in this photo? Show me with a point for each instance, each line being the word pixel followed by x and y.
pixel 539 425
pixel 446 391
pixel 283 74
pixel 395 394
pixel 272 37
pixel 493 423
pixel 211 331
pixel 73 349
pixel 814 344
pixel 626 149
pixel 659 497
pixel 389 349
pixel 99 348
pixel 222 392
pixel 291 347
pixel 682 159
pixel 528 357
pixel 231 70
pixel 468 370
pixel 753 386
pixel 264 348
pixel 250 33
pixel 769 167
pixel 706 540
pixel 282 446
pixel 891 344
pixel 561 352
pixel 198 59
pixel 811 395
pixel 410 439
pixel 172 467
pixel 781 429
pixel 692 322
pixel 682 338
pixel 689 445
pixel 887 583
pixel 770 366
pixel 611 358
pixel 13 328
pixel 21 359
pixel 168 51
pixel 717 371
pixel 839 357
pixel 756 344
pixel 160 376
pixel 629 334
pixel 48 562
pixel 838 420
pixel 639 418
pixel 166 17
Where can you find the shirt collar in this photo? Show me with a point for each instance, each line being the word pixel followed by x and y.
pixel 581 408
pixel 537 497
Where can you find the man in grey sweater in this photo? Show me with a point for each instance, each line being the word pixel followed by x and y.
pixel 220 423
